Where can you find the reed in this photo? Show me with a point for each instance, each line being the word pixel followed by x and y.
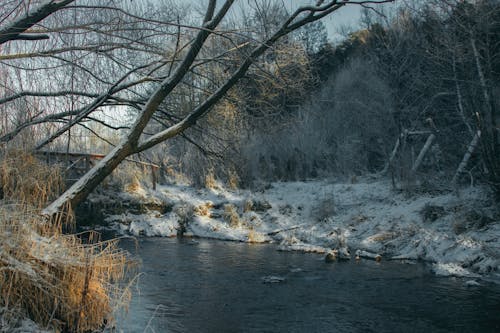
pixel 62 282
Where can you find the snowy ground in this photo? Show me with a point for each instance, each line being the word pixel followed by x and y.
pixel 457 232
pixel 10 324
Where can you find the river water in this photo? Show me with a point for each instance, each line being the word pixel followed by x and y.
pixel 213 286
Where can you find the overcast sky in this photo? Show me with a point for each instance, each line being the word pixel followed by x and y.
pixel 346 18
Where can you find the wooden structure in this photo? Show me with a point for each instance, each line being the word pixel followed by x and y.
pixel 77 164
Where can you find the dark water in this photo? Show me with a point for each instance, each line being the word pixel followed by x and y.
pixel 213 286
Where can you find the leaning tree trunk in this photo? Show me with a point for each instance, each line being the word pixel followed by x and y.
pixel 422 153
pixel 466 158
pixel 131 145
pixel 85 185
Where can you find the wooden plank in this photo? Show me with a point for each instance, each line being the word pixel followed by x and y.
pixel 91 156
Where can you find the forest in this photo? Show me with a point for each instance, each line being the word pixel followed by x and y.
pixel 203 119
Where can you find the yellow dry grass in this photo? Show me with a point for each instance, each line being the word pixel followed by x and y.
pixel 210 181
pixel 204 209
pixel 254 237
pixel 233 180
pixel 247 205
pixel 59 281
pixel 231 215
pixel 133 186
pixel 26 181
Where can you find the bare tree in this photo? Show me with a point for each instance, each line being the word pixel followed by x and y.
pixel 164 76
pixel 100 55
pixel 132 143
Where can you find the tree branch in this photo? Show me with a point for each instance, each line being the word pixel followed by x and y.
pixel 14 30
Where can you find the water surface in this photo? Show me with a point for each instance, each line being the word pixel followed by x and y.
pixel 213 286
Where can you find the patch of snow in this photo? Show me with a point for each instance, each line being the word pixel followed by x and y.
pixel 451 269
pixel 165 226
pixel 20 325
pixel 320 216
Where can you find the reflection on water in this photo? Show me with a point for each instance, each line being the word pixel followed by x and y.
pixel 212 286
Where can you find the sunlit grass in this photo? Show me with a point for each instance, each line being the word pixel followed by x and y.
pixel 59 281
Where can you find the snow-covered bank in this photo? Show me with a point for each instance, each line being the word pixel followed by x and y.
pixel 458 233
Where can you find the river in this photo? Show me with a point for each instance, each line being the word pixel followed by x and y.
pixel 204 285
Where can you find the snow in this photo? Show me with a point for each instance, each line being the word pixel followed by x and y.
pixel 369 218
pixel 451 269
pixel 165 226
pixel 17 325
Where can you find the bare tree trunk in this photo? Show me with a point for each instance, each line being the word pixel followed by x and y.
pixel 467 156
pixel 489 117
pixel 393 154
pixel 460 102
pixel 422 153
pixel 490 143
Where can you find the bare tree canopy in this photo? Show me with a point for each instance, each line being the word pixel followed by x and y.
pixel 100 56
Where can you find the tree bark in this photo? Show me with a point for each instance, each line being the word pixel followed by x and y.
pixel 490 139
pixel 489 116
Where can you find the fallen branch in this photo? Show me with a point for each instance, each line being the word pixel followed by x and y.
pixel 275 232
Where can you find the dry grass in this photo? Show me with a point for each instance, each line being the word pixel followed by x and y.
pixel 127 177
pixel 247 205
pixel 252 236
pixel 255 237
pixel 231 215
pixel 204 209
pixel 210 180
pixel 57 280
pixel 133 186
pixel 381 237
pixel 233 180
pixel 26 181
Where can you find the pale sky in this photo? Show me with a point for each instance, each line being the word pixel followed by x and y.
pixel 346 18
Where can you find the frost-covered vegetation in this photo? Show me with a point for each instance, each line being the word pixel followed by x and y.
pixel 411 100
pixel 427 73
pixel 246 124
pixel 457 232
pixel 59 281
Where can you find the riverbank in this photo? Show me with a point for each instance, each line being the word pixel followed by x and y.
pixel 50 279
pixel 456 231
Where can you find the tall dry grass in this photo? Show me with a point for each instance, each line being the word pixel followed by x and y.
pixel 59 281
pixel 26 181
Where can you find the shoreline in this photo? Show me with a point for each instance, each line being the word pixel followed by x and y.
pixel 458 235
